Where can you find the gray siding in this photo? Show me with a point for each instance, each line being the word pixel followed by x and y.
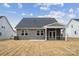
pixel 32 34
pixel 35 22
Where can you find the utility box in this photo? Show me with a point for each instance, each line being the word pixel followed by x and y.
pixel 16 38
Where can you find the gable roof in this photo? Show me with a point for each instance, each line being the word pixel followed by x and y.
pixel 35 22
pixel 76 19
pixel 56 24
pixel 71 20
pixel 7 22
pixel 1 17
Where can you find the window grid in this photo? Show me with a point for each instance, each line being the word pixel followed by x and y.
pixel 40 32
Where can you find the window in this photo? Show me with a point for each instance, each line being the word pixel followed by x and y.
pixel 42 33
pixel 22 32
pixel 26 33
pixel 0 33
pixel 2 26
pixel 75 32
pixel 71 26
pixel 38 32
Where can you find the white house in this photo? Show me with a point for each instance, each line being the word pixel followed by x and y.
pixel 72 29
pixel 6 30
pixel 40 28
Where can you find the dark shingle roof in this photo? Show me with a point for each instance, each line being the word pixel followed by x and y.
pixel 35 22
pixel 76 19
pixel 1 16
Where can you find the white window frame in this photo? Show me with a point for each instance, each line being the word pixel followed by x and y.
pixel 40 31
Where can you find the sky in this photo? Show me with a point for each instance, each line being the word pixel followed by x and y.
pixel 63 12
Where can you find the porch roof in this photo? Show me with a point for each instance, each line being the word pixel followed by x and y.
pixel 55 25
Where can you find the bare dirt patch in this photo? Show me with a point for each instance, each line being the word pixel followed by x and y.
pixel 39 48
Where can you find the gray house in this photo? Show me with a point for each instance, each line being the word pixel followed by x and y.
pixel 40 28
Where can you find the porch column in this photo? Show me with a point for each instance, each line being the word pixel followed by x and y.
pixel 45 33
pixel 65 35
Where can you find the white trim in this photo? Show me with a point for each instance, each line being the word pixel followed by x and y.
pixel 40 32
pixel 54 27
pixel 46 34
pixel 30 28
pixel 48 26
pixel 65 35
pixel 25 30
pixel 9 23
pixel 44 27
pixel 54 23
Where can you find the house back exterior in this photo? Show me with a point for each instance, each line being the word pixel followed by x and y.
pixel 40 28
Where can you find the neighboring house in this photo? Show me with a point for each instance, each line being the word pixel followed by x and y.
pixel 6 30
pixel 72 29
pixel 40 28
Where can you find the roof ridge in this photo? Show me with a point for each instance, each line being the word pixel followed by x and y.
pixel 38 17
pixel 77 19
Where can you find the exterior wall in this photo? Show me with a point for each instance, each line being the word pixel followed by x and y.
pixel 7 32
pixel 32 34
pixel 70 32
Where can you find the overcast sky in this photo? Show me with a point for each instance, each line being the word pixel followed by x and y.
pixel 63 12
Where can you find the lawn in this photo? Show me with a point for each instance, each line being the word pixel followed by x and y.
pixel 39 48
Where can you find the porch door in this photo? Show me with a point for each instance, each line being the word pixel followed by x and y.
pixel 52 35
